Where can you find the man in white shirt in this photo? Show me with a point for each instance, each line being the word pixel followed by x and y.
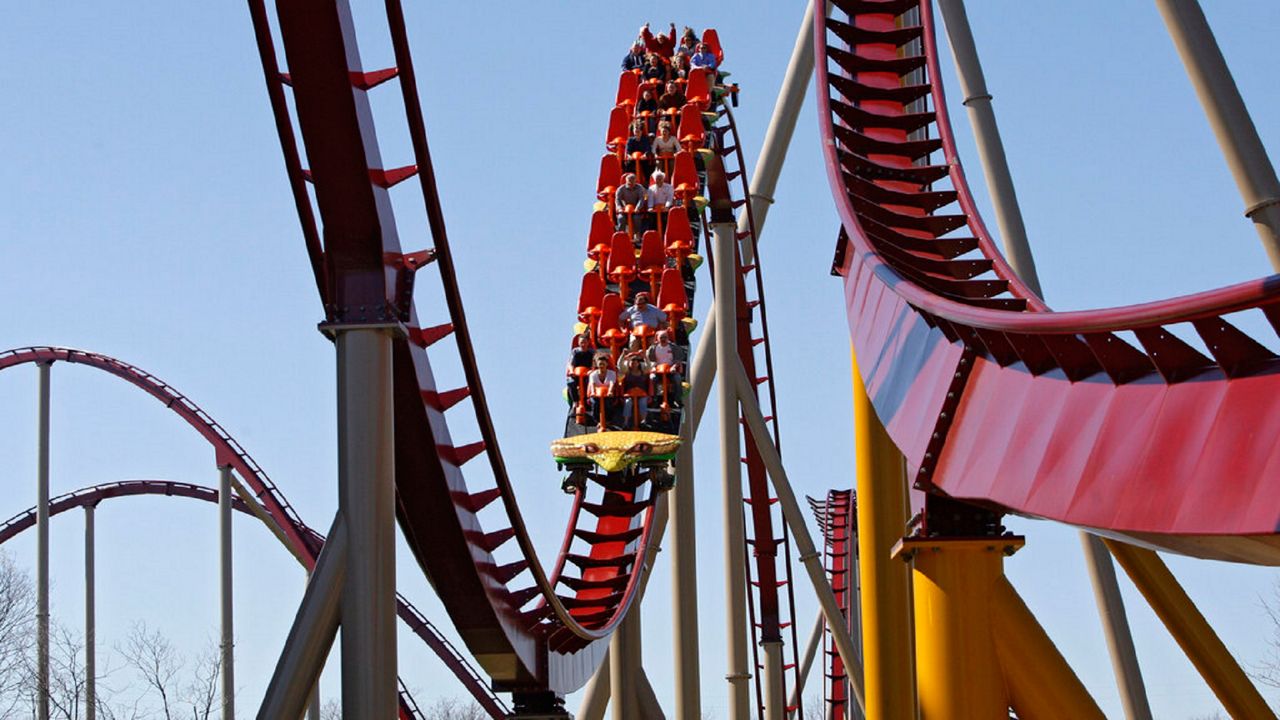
pixel 661 192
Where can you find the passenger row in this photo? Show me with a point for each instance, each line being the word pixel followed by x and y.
pixel 630 348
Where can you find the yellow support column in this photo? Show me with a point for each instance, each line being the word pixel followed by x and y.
pixel 1192 632
pixel 1041 684
pixel 886 583
pixel 958 677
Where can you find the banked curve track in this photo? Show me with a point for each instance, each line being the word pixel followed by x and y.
pixel 303 542
pixel 1103 419
pixel 536 633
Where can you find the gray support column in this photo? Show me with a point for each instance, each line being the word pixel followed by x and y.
pixel 735 581
pixel 995 166
pixel 1115 622
pixel 1018 250
pixel 684 542
pixel 227 646
pixel 622 672
pixel 313 707
pixel 806 662
pixel 366 492
pixel 775 701
pixel 782 125
pixel 650 708
pixel 42 545
pixel 90 621
pixel 794 516
pixel 1243 149
pixel 312 633
pixel 595 698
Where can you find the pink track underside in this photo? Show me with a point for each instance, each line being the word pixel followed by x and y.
pixel 1183 459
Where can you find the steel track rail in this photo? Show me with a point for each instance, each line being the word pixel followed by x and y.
pixel 302 541
pixel 531 651
pixel 962 360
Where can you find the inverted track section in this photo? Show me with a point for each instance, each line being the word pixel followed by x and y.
pixel 529 637
pixel 1104 419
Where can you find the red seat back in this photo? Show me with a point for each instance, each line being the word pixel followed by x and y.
pixel 619 119
pixel 622 253
pixel 610 173
pixel 651 251
pixel 592 293
pixel 712 40
pixel 601 230
pixel 698 88
pixel 672 292
pixel 611 308
pixel 685 172
pixel 691 129
pixel 678 229
pixel 627 83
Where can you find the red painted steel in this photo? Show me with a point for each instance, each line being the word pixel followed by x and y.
pixel 991 396
pixel 410 615
pixel 836 518
pixel 528 638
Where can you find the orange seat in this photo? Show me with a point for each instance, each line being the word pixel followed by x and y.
pixel 609 177
pixel 652 260
pixel 628 81
pixel 712 41
pixel 659 213
pixel 697 91
pixel 664 371
pixel 672 300
pixel 622 263
pixel 678 241
pixel 685 176
pixel 590 297
pixel 645 333
pixel 634 394
pixel 609 331
pixel 580 409
pixel 600 240
pixel 619 128
pixel 691 131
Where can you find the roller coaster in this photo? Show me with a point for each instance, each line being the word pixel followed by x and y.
pixel 973 401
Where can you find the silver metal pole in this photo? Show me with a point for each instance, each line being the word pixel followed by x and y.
pixel 1017 248
pixel 794 516
pixel 595 698
pixel 806 662
pixel 622 673
pixel 650 708
pixel 995 166
pixel 90 621
pixel 225 593
pixel 1124 658
pixel 42 546
pixel 782 125
pixel 735 581
pixel 684 539
pixel 1243 149
pixel 366 492
pixel 775 707
pixel 312 633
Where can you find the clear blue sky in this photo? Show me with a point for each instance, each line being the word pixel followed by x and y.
pixel 145 214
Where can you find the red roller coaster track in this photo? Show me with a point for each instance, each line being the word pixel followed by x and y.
pixel 992 397
pixel 301 540
pixel 530 638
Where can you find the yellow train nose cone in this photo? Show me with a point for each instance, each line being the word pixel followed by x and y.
pixel 611 460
